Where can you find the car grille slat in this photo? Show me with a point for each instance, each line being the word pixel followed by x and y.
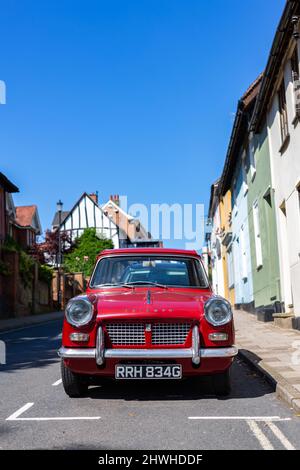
pixel 170 333
pixel 126 334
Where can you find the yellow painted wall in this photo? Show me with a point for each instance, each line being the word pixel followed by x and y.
pixel 225 215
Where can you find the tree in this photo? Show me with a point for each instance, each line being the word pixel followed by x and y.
pixel 87 248
pixel 46 251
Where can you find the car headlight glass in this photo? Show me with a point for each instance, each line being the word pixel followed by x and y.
pixel 79 311
pixel 218 311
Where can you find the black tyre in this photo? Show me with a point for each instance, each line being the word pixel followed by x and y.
pixel 222 383
pixel 74 385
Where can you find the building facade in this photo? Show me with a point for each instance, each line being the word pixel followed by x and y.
pixel 242 265
pixel 128 229
pixel 262 173
pixel 278 114
pixel 226 244
pixel 214 240
pixel 109 220
pixel 27 226
pixel 86 213
pixel 262 228
pixel 132 234
pixel 248 222
pixel 7 212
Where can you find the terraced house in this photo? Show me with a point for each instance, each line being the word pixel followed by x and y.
pixel 214 240
pixel 234 179
pixel 262 174
pixel 278 107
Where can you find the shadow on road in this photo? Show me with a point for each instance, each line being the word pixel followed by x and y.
pixel 32 347
pixel 245 384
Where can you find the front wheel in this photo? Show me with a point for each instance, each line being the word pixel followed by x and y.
pixel 74 385
pixel 222 383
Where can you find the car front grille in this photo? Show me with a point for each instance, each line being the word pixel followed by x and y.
pixel 170 333
pixel 126 334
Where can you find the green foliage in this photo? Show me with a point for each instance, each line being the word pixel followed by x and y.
pixel 45 273
pixel 26 265
pixel 26 262
pixel 10 245
pixel 4 268
pixel 87 247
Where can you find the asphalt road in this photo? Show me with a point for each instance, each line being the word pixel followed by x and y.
pixel 35 413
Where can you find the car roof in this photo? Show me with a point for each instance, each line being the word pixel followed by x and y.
pixel 149 251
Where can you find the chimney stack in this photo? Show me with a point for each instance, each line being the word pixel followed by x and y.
pixel 94 196
pixel 115 198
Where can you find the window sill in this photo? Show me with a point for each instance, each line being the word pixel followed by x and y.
pixel 285 144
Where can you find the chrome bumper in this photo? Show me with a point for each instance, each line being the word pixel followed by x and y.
pixel 72 353
pixel 195 353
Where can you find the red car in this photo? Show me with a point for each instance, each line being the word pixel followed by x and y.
pixel 147 314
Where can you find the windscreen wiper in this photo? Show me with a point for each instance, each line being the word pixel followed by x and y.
pixel 133 284
pixel 143 283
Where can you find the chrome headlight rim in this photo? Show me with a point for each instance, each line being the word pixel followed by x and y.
pixel 75 302
pixel 217 301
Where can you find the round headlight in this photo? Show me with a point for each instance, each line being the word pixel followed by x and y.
pixel 218 311
pixel 79 311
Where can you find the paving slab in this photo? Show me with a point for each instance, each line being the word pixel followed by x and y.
pixel 273 352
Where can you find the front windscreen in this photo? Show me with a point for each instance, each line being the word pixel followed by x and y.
pixel 147 270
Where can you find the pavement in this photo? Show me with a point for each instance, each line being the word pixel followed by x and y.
pixel 19 322
pixel 35 413
pixel 273 352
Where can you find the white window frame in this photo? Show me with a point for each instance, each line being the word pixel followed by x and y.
pixel 283 112
pixel 252 156
pixel 243 253
pixel 244 173
pixel 230 268
pixel 296 81
pixel 235 208
pixel 257 235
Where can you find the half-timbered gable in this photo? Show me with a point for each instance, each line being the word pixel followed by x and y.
pixel 87 214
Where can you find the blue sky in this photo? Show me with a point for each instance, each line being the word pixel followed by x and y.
pixel 135 97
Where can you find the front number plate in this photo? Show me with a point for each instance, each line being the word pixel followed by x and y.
pixel 126 371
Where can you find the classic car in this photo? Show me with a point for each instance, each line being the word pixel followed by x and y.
pixel 147 314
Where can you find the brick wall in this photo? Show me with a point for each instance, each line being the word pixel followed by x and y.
pixel 71 284
pixel 17 300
